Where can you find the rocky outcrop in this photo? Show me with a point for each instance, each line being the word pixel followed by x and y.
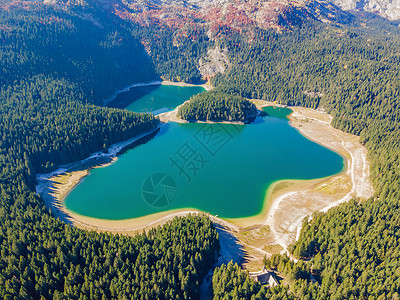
pixel 239 14
pixel 389 9
pixel 215 62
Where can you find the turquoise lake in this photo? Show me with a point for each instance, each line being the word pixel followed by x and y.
pixel 154 98
pixel 220 169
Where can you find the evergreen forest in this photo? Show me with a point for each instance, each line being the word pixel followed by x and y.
pixel 57 68
pixel 217 107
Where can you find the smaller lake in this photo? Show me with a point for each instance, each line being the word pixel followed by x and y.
pixel 222 169
pixel 154 98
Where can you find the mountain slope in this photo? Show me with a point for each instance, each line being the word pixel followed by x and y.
pixel 235 14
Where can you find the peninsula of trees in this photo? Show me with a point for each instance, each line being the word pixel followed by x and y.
pixel 217 107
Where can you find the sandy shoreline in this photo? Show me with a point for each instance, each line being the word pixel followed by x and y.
pixel 287 202
pixel 206 85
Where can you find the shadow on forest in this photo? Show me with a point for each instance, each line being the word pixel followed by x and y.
pixel 139 142
pixel 231 248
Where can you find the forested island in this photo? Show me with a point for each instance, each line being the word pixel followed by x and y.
pixel 49 117
pixel 216 106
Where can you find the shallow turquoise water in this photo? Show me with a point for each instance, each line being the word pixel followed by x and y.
pixel 154 98
pixel 220 169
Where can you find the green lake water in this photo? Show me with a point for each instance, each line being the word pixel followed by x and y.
pixel 220 169
pixel 154 98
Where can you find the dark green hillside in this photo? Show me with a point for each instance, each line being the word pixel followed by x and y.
pixel 176 55
pixel 217 107
pixel 82 44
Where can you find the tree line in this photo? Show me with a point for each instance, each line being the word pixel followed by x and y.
pixel 217 106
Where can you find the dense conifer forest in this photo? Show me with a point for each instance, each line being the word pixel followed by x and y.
pixel 81 45
pixel 55 65
pixel 216 106
pixel 45 121
pixel 175 56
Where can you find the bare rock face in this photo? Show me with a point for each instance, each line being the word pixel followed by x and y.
pixel 386 8
pixel 389 9
pixel 215 62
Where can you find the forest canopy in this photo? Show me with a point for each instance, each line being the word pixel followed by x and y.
pixel 57 63
pixel 217 106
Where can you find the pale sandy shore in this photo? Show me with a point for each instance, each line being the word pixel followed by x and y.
pixel 206 85
pixel 287 202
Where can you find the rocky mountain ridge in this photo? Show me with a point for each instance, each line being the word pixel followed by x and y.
pixel 233 14
pixel 389 9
